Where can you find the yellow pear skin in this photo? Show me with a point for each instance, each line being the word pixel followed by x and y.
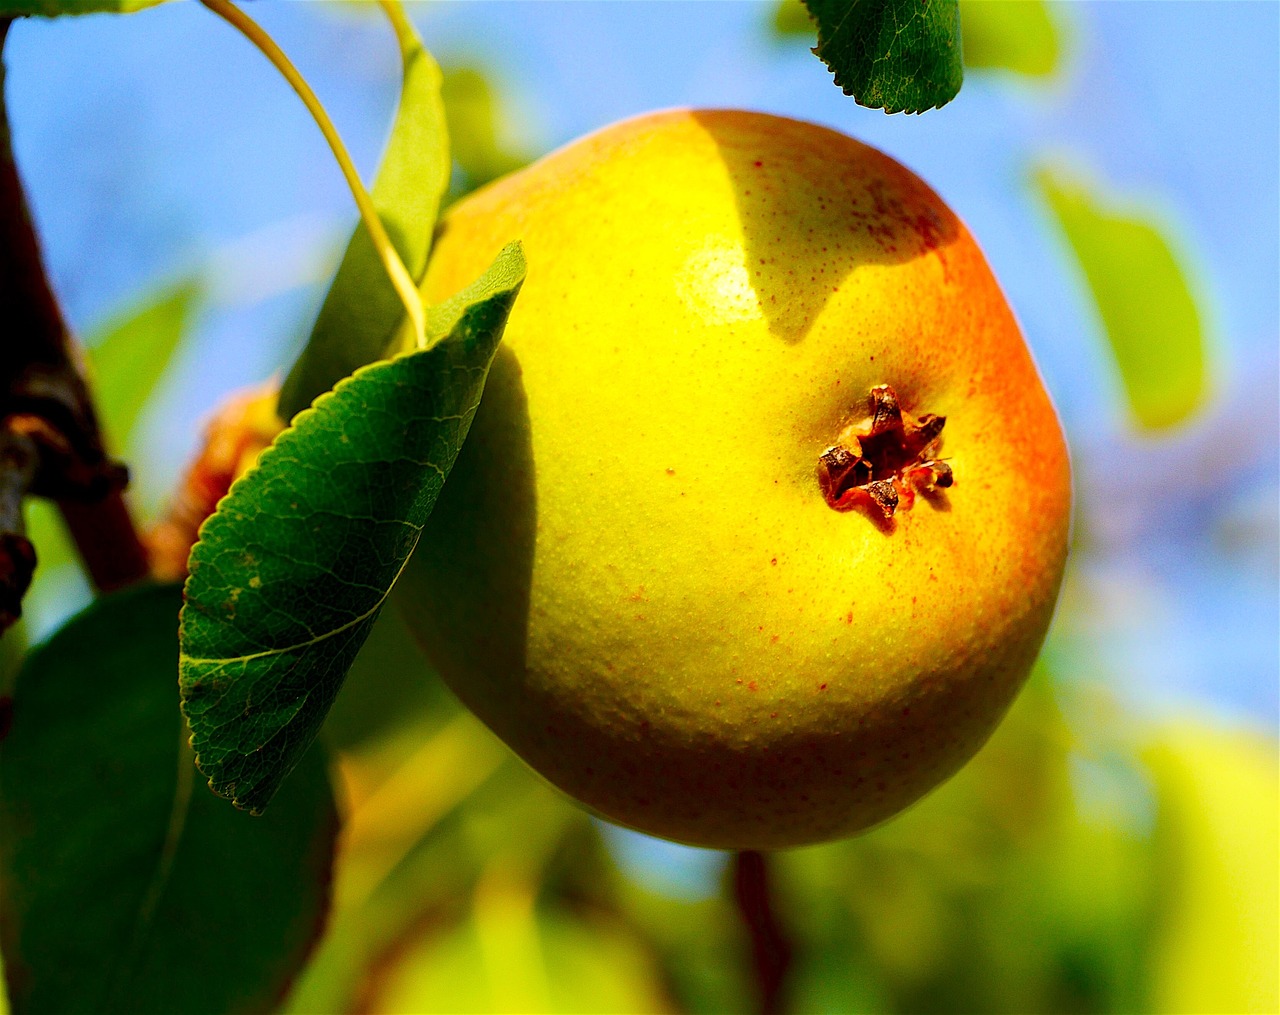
pixel 644 575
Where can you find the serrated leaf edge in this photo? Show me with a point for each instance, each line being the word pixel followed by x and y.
pixel 263 459
pixel 267 454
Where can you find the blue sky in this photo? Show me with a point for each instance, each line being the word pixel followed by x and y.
pixel 161 143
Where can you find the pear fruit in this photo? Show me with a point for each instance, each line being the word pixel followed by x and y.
pixel 763 515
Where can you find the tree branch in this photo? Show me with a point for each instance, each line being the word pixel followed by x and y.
pixel 48 428
pixel 17 555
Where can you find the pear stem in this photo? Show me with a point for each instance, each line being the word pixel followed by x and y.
pixel 770 948
pixel 396 271
pixel 399 22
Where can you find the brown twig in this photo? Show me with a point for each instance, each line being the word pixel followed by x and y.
pixel 17 555
pixel 770 948
pixel 48 426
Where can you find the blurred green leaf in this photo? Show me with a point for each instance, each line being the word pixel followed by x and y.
pixel 998 869
pixel 1143 295
pixel 512 957
pixel 1013 35
pixel 391 686
pixel 699 944
pixel 445 826
pixel 130 353
pixel 475 127
pixel 362 311
pixel 125 885
pixel 13 648
pixel 1218 833
pixel 292 569
pixel 56 8
pixel 902 56
pixel 791 17
pixel 55 552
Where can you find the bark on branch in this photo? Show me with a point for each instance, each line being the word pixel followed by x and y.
pixel 50 441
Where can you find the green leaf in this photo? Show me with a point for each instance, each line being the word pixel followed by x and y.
pixel 475 128
pixel 791 17
pixel 431 830
pixel 511 956
pixel 56 8
pixel 390 687
pixel 128 356
pixel 902 56
pixel 1019 37
pixel 130 353
pixel 1143 295
pixel 291 571
pixel 361 312
pixel 124 885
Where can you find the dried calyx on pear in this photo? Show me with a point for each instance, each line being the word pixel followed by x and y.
pixel 885 459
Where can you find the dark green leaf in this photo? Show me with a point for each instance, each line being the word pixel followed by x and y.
pixel 126 886
pixel 1019 37
pixel 55 8
pixel 291 572
pixel 1143 296
pixel 902 56
pixel 361 312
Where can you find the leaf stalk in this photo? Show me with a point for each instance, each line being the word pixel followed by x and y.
pixel 396 271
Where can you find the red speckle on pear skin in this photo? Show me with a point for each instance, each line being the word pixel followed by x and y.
pixel 822 687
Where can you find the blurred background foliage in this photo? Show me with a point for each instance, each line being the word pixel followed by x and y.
pixel 1114 847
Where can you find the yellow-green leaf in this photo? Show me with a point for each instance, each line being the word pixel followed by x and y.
pixel 56 8
pixel 1014 35
pixel 475 124
pixel 362 311
pixel 130 353
pixel 1143 294
pixel 791 17
pixel 1218 839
